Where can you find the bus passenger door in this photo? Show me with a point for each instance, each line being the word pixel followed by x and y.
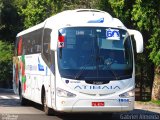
pixel 49 57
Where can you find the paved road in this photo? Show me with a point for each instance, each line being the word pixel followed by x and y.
pixel 10 109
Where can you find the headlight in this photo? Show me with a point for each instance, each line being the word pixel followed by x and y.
pixel 64 93
pixel 130 93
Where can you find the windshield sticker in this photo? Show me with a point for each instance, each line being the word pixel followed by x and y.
pixel 79 32
pixel 60 44
pixel 98 30
pixel 112 34
pixel 61 41
pixel 124 35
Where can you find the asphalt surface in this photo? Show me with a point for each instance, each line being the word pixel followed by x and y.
pixel 10 109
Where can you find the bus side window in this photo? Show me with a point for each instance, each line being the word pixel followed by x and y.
pixel 38 40
pixel 46 44
pixel 24 47
pixel 19 46
pixel 25 44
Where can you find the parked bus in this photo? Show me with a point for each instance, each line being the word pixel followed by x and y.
pixel 77 61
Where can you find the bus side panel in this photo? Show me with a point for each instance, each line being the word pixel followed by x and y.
pixel 35 77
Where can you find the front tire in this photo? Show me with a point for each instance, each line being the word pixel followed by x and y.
pixel 46 109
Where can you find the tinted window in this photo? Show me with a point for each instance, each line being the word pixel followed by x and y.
pixel 46 44
pixel 30 43
pixel 92 53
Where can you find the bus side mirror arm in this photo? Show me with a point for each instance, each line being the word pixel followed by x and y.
pixel 54 40
pixel 138 38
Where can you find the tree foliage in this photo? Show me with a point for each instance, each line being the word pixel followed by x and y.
pixel 6 55
pixel 61 5
pixel 6 51
pixel 9 20
pixel 34 11
pixel 146 15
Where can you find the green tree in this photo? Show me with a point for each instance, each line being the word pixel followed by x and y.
pixel 1 6
pixel 9 20
pixel 10 24
pixel 6 54
pixel 61 5
pixel 147 16
pixel 34 11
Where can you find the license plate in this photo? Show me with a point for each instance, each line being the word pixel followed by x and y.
pixel 97 103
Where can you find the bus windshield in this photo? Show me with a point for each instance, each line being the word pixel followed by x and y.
pixel 95 53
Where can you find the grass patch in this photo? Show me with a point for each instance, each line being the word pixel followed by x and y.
pixel 157 102
pixel 152 102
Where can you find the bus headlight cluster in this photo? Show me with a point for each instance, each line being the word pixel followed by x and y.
pixel 130 93
pixel 64 93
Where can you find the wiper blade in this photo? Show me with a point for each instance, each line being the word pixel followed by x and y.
pixel 79 73
pixel 108 63
pixel 83 68
pixel 114 74
pixel 91 58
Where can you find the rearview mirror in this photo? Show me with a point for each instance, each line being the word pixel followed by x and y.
pixel 138 38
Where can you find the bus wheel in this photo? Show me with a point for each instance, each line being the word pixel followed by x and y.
pixel 46 109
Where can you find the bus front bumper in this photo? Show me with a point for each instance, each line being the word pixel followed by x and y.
pixel 112 105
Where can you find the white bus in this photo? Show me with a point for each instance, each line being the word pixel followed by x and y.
pixel 77 61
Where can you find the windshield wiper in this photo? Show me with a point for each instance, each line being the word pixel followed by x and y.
pixel 85 65
pixel 80 72
pixel 114 74
pixel 108 63
pixel 83 68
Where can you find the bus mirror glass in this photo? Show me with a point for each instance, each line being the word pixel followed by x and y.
pixel 139 40
pixel 54 39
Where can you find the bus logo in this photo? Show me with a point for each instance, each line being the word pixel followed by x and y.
pixel 67 81
pixel 96 87
pixel 100 20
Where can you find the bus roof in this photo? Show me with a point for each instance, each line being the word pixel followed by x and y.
pixel 78 17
